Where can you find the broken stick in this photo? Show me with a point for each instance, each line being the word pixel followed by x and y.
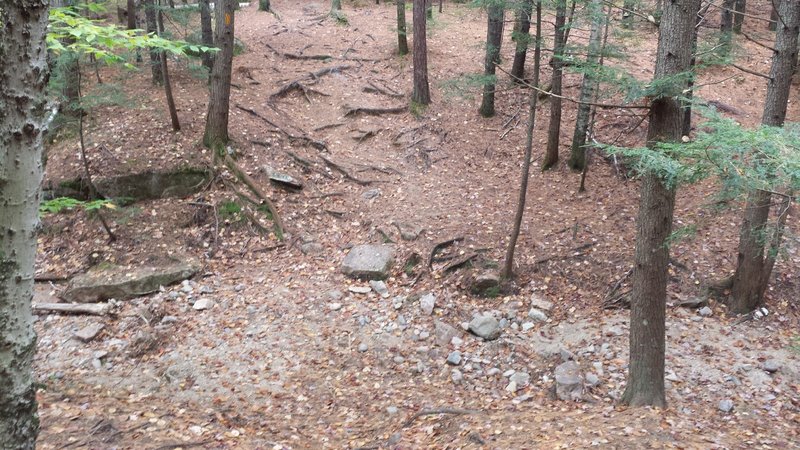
pixel 94 309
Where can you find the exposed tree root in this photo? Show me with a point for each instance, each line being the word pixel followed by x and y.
pixel 244 178
pixel 344 172
pixel 300 56
pixel 373 89
pixel 435 411
pixel 298 85
pixel 304 138
pixel 352 111
pixel 441 245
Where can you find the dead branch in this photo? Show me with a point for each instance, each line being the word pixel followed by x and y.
pixel 344 172
pixel 330 125
pixel 751 72
pixel 352 111
pixel 94 309
pixel 618 284
pixel 385 170
pixel 574 252
pixel 435 411
pixel 300 56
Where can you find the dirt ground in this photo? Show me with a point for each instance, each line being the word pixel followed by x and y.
pixel 290 358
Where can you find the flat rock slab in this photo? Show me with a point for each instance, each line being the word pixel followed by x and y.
pixel 154 185
pixel 370 262
pixel 89 332
pixel 121 282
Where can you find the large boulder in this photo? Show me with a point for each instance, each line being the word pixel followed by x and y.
pixel 369 262
pixel 123 282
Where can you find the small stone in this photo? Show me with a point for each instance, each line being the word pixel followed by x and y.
pixel 166 320
pixel 186 288
pixel 379 287
pixel 485 326
pixel 527 326
pixel 89 332
pixel 509 372
pixel 503 322
pixel 492 372
pixel 397 302
pixel 334 306
pixel 360 289
pixel 522 398
pixel 537 315
pixel 312 248
pixel 456 341
pixel 97 364
pixel 725 405
pixel 614 331
pixel 598 367
pixel 100 354
pixel 512 386
pixel 521 379
pixel 454 358
pixel 424 335
pixel 370 194
pixel 485 283
pixel 371 262
pixel 239 287
pixel 456 376
pixel 398 359
pixel 427 302
pixel 392 410
pixel 672 377
pixel 203 304
pixel 362 347
pixel 540 303
pixel 772 366
pixel 705 311
pixel 206 290
pixel 566 355
pixel 173 295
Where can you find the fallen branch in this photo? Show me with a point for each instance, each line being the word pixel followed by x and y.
pixel 574 252
pixel 375 111
pixel 435 411
pixel 330 125
pixel 94 309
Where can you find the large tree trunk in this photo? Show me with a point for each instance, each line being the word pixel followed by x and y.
pixel 754 264
pixel 726 27
pixel 402 39
pixel 219 86
pixel 687 104
pixel 738 16
pixel 206 32
pixel 523 38
pixel 554 128
pixel 24 117
pixel 508 266
pixel 131 14
pixel 645 384
pixel 421 93
pixel 494 39
pixel 577 158
pixel 152 27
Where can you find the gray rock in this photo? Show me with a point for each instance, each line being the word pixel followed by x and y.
pixel 492 372
pixel 725 405
pixel 335 295
pixel 239 287
pixel 566 355
pixel 362 347
pixel 592 380
pixel 614 331
pixel 392 410
pixel 772 366
pixel 705 311
pixel 693 303
pixel 456 376
pixel 509 372
pixel 527 326
pixel 371 262
pixel 203 304
pixel 360 289
pixel 537 315
pixel 540 303
pixel 454 358
pixel 206 290
pixel 166 320
pixel 456 341
pixel 312 248
pixel 379 287
pixel 485 282
pixel 334 306
pixel 122 282
pixel 569 385
pixel 408 231
pixel 283 179
pixel 397 302
pixel 370 194
pixel 398 359
pixel 444 333
pixel 512 386
pixel 427 302
pixel 485 326
pixel 89 332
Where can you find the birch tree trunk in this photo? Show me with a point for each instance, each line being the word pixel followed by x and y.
pixel 23 120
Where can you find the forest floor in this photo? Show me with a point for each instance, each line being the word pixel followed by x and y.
pixel 290 357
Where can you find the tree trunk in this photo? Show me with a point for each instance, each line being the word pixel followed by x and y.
pixel 554 128
pixel 402 39
pixel 645 384
pixel 24 117
pixel 441 6
pixel 263 5
pixel 421 93
pixel 429 9
pixel 152 27
pixel 508 266
pixel 753 262
pixel 494 39
pixel 577 159
pixel 131 14
pixel 523 38
pixel 738 16
pixel 173 112
pixel 687 104
pixel 219 86
pixel 336 5
pixel 207 33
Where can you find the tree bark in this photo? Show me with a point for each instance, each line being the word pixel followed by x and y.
pixel 754 264
pixel 24 116
pixel 263 5
pixel 336 5
pixel 173 112
pixel 206 32
pixel 554 127
pixel 494 39
pixel 508 265
pixel 421 93
pixel 523 38
pixel 773 16
pixel 131 14
pixel 577 159
pixel 645 384
pixel 687 104
pixel 219 86
pixel 152 27
pixel 402 38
